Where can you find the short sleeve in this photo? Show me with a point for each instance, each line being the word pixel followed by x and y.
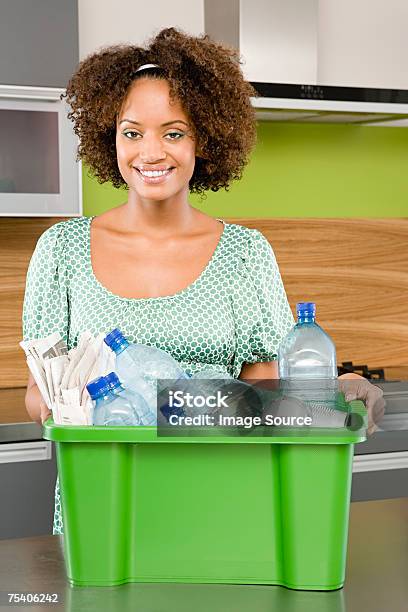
pixel 45 306
pixel 270 315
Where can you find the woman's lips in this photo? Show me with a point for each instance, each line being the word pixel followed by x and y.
pixel 154 180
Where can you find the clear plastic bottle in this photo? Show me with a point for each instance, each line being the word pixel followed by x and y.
pixel 308 370
pixel 307 351
pixel 242 399
pixel 140 366
pixel 110 408
pixel 207 380
pixel 145 416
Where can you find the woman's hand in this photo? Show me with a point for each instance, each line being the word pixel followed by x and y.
pixel 44 412
pixel 34 401
pixel 357 387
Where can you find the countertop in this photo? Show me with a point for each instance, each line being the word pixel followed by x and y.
pixel 376 577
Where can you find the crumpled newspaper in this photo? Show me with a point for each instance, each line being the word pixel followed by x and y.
pixel 62 375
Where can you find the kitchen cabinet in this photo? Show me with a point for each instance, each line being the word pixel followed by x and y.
pixel 343 44
pixel 28 471
pixel 38 42
pixel 128 22
pixel 363 44
pixel 39 174
pixel 27 481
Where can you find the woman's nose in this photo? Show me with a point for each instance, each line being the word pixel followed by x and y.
pixel 152 150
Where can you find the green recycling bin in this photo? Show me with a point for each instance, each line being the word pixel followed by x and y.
pixel 267 507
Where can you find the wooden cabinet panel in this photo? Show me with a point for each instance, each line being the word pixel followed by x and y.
pixel 18 238
pixel 356 270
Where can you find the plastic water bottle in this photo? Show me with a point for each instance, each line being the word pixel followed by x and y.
pixel 242 398
pixel 110 408
pixel 308 370
pixel 209 377
pixel 140 366
pixel 209 382
pixel 145 416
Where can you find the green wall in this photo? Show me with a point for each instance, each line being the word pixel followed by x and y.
pixel 304 171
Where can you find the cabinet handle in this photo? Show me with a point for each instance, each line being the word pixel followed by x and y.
pixel 25 451
pixel 377 462
pixel 17 92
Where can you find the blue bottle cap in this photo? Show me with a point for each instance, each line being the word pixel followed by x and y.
pixel 97 387
pixel 306 309
pixel 113 337
pixel 116 341
pixel 113 380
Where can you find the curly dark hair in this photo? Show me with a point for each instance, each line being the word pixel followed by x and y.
pixel 204 75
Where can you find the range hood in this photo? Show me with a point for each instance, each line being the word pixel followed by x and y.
pixel 282 52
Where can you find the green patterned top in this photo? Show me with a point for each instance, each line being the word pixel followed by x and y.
pixel 235 312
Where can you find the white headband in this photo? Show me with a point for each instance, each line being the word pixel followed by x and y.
pixel 147 66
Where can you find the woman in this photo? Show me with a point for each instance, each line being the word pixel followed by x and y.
pixel 162 122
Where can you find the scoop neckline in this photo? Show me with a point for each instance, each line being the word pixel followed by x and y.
pixel 158 298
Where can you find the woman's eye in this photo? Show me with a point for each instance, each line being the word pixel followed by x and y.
pixel 178 134
pixel 127 133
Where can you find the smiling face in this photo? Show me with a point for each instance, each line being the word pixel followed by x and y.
pixel 154 142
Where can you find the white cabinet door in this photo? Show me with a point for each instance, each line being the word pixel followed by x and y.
pixel 363 43
pixel 344 43
pixel 129 22
pixel 39 175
